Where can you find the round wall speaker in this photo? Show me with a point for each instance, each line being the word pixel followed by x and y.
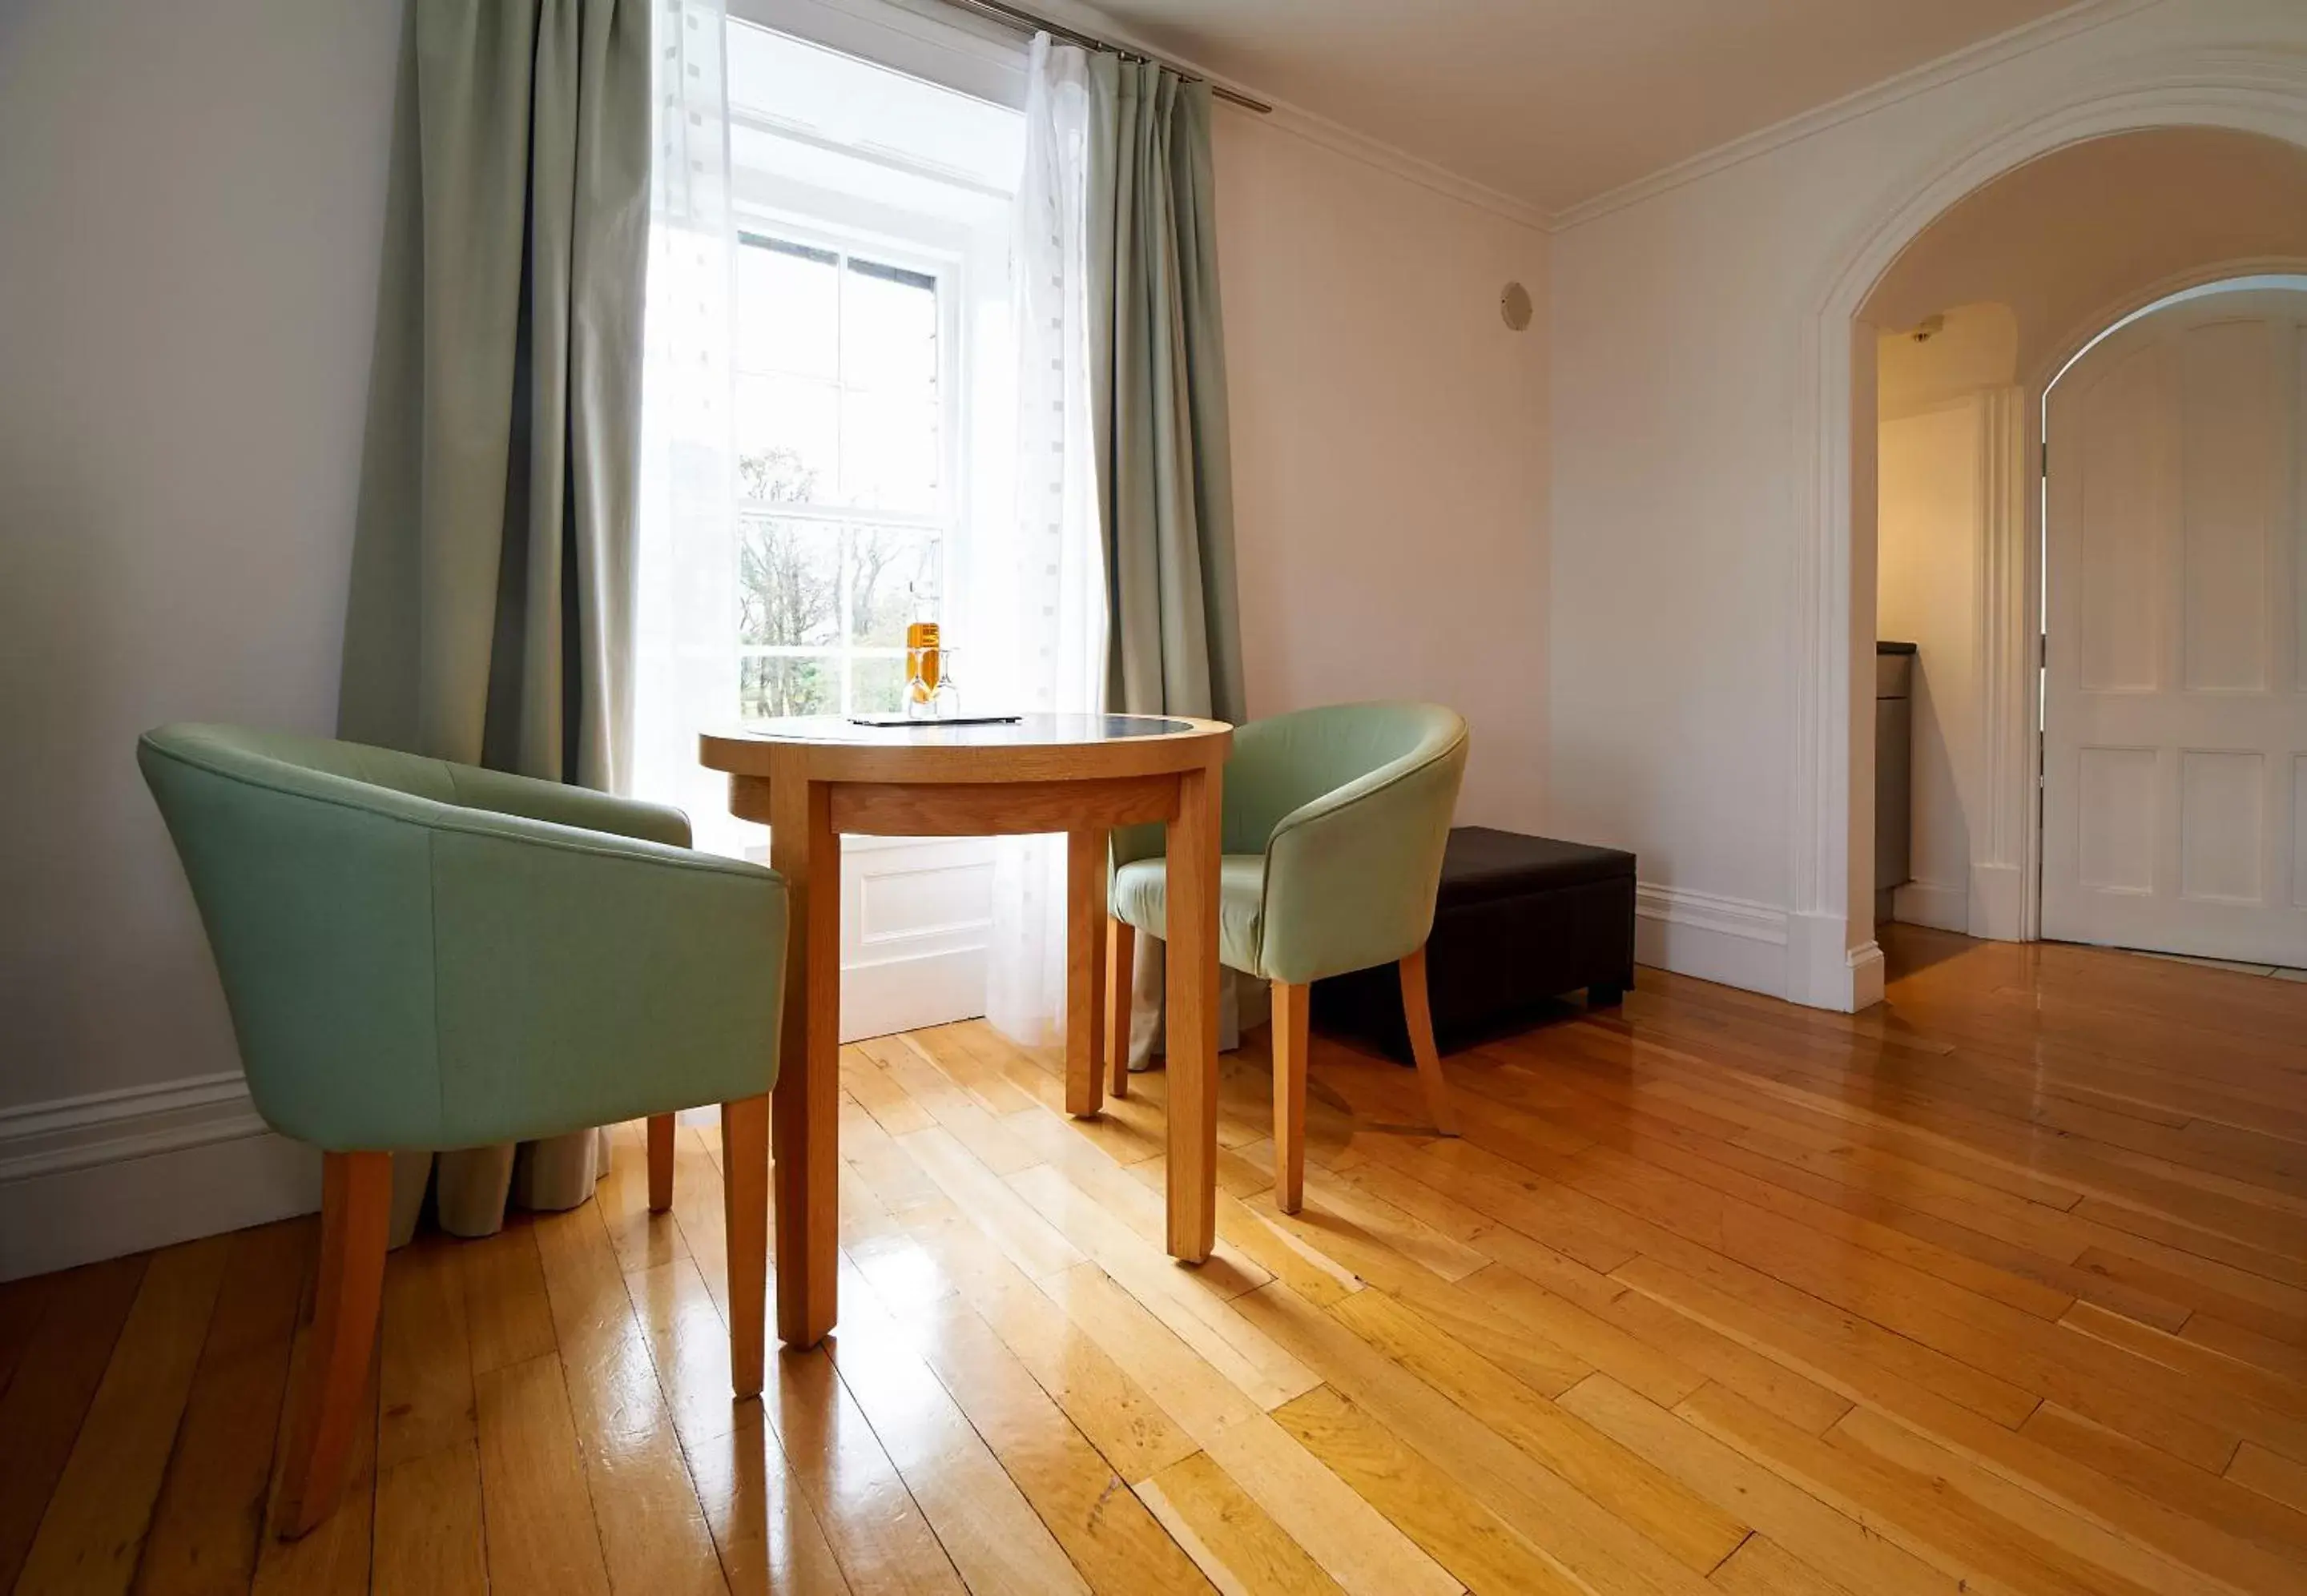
pixel 1513 304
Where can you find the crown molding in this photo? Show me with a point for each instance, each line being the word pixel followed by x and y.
pixel 2022 41
pixel 1341 139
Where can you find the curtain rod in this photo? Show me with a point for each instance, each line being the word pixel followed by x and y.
pixel 1025 21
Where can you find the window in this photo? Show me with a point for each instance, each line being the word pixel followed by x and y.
pixel 844 442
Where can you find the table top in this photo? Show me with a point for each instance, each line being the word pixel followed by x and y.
pixel 1032 747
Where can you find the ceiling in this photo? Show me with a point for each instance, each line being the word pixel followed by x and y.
pixel 1556 102
pixel 2066 240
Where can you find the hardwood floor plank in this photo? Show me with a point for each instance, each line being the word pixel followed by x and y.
pixel 1909 1508
pixel 2221 1502
pixel 642 1239
pixel 2279 1479
pixel 1353 1541
pixel 1233 1541
pixel 981 1517
pixel 1471 1544
pixel 1652 1503
pixel 1126 1425
pixel 426 1375
pixel 208 1523
pixel 1779 1510
pixel 1101 1528
pixel 334 1558
pixel 58 1371
pixel 95 1524
pixel 1583 1535
pixel 1195 1305
pixel 1032 1243
pixel 2095 1547
pixel 878 1533
pixel 654 1536
pixel 541 1530
pixel 1762 1568
pixel 760 1515
pixel 507 1316
pixel 22 1302
pixel 429 1539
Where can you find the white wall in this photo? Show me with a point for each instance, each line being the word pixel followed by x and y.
pixel 1684 335
pixel 1932 531
pixel 1390 456
pixel 190 199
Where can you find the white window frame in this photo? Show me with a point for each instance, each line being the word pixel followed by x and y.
pixel 948 521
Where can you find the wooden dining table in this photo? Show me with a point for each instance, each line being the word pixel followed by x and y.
pixel 812 781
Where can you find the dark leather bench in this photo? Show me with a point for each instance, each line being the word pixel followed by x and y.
pixel 1519 922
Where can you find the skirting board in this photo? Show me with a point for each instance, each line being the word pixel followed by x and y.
pixel 1931 903
pixel 1726 940
pixel 94 1177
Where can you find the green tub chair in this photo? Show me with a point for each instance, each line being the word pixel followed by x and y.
pixel 421 956
pixel 1335 819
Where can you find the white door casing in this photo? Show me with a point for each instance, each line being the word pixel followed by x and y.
pixel 2175 813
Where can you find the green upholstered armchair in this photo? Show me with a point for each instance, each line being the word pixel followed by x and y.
pixel 420 955
pixel 1335 819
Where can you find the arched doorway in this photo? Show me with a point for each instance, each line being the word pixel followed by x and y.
pixel 1833 959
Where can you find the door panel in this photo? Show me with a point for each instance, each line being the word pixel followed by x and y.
pixel 2174 718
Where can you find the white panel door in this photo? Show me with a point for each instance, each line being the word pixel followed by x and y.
pixel 2174 766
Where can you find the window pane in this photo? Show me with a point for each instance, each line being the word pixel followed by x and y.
pixel 788 435
pixel 878 687
pixel 890 453
pixel 893 577
pixel 788 583
pixel 788 308
pixel 770 688
pixel 889 329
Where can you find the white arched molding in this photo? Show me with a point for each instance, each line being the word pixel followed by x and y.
pixel 1832 959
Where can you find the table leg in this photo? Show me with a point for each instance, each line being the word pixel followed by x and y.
pixel 1192 953
pixel 805 1110
pixel 1085 903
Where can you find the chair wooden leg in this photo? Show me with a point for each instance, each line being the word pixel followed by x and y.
pixel 355 1222
pixel 1419 1019
pixel 1085 919
pixel 1290 1033
pixel 660 1162
pixel 1121 978
pixel 745 1222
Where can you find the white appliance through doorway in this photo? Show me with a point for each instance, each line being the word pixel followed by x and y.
pixel 2174 771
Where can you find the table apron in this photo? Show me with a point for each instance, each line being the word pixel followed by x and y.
pixel 1000 808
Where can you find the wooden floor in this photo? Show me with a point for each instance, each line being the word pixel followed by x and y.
pixel 2001 1287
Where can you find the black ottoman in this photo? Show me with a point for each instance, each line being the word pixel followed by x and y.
pixel 1520 920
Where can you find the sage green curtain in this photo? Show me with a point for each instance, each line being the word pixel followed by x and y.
pixel 1158 415
pixel 489 619
pixel 1158 397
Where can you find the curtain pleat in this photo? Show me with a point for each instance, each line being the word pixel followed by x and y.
pixel 1165 465
pixel 489 619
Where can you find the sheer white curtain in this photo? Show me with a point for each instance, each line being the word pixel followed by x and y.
pixel 685 622
pixel 1039 616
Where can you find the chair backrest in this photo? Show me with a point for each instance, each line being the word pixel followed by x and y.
pixel 1285 762
pixel 310 862
pixel 405 970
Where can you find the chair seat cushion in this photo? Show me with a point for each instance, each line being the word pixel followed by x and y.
pixel 1140 894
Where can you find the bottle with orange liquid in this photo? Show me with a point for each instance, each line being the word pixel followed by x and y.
pixel 925 663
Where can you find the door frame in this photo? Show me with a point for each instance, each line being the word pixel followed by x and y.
pixel 1833 961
